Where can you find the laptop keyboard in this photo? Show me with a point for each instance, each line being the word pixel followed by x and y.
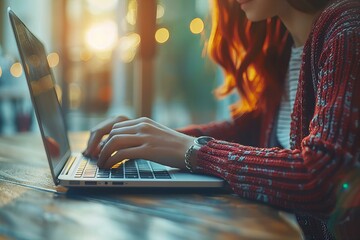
pixel 134 169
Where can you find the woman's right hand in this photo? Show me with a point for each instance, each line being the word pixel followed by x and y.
pixel 97 134
pixel 140 138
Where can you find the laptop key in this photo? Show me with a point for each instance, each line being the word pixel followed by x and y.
pixel 117 176
pixel 81 167
pixel 131 170
pixel 131 176
pixel 146 174
pixel 117 172
pixel 89 175
pixel 162 174
pixel 162 177
pixel 103 175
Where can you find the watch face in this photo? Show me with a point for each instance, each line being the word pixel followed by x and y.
pixel 203 140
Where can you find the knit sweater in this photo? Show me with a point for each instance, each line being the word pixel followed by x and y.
pixel 325 127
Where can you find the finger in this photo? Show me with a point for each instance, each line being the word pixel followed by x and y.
pixel 116 144
pixel 129 153
pixel 123 130
pixel 93 146
pixel 98 133
pixel 96 151
pixel 133 122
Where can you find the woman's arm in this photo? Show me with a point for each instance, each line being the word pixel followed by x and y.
pixel 244 129
pixel 303 179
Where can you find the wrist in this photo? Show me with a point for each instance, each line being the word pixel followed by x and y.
pixel 191 154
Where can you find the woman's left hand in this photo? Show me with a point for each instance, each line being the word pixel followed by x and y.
pixel 146 139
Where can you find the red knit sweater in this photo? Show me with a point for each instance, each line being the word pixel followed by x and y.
pixel 325 128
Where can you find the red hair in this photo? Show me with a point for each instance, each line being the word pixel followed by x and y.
pixel 253 55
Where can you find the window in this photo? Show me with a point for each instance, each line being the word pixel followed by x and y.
pixel 95 50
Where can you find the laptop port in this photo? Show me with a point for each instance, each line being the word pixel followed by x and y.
pixel 90 183
pixel 74 182
pixel 117 183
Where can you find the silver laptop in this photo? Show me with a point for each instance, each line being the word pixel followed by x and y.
pixel 73 169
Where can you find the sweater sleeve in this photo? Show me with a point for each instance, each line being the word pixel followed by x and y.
pixel 303 179
pixel 244 129
pixel 225 130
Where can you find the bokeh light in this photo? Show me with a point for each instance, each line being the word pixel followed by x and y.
pixel 132 12
pixel 85 55
pixel 102 36
pixel 53 59
pixel 160 11
pixel 196 26
pixel 162 35
pixel 128 46
pixel 16 69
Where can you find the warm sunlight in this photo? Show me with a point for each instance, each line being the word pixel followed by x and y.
pixel 102 36
pixel 99 6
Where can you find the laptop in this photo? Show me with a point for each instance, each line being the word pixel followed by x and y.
pixel 73 169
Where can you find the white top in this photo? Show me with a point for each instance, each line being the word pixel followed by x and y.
pixel 288 99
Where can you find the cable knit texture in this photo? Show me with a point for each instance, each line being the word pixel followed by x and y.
pixel 324 137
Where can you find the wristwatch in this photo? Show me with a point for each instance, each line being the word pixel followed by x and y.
pixel 190 155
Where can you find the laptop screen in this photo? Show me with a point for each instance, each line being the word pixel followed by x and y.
pixel 42 90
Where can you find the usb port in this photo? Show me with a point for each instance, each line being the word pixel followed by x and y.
pixel 74 182
pixel 90 183
pixel 118 183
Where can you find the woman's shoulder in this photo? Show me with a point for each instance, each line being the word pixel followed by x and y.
pixel 338 17
pixel 341 10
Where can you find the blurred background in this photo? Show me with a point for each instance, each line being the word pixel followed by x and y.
pixel 111 57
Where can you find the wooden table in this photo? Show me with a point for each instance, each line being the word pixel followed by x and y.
pixel 31 207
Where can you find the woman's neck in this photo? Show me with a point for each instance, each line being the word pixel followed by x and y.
pixel 299 24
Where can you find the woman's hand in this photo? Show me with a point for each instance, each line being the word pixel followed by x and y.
pixel 137 138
